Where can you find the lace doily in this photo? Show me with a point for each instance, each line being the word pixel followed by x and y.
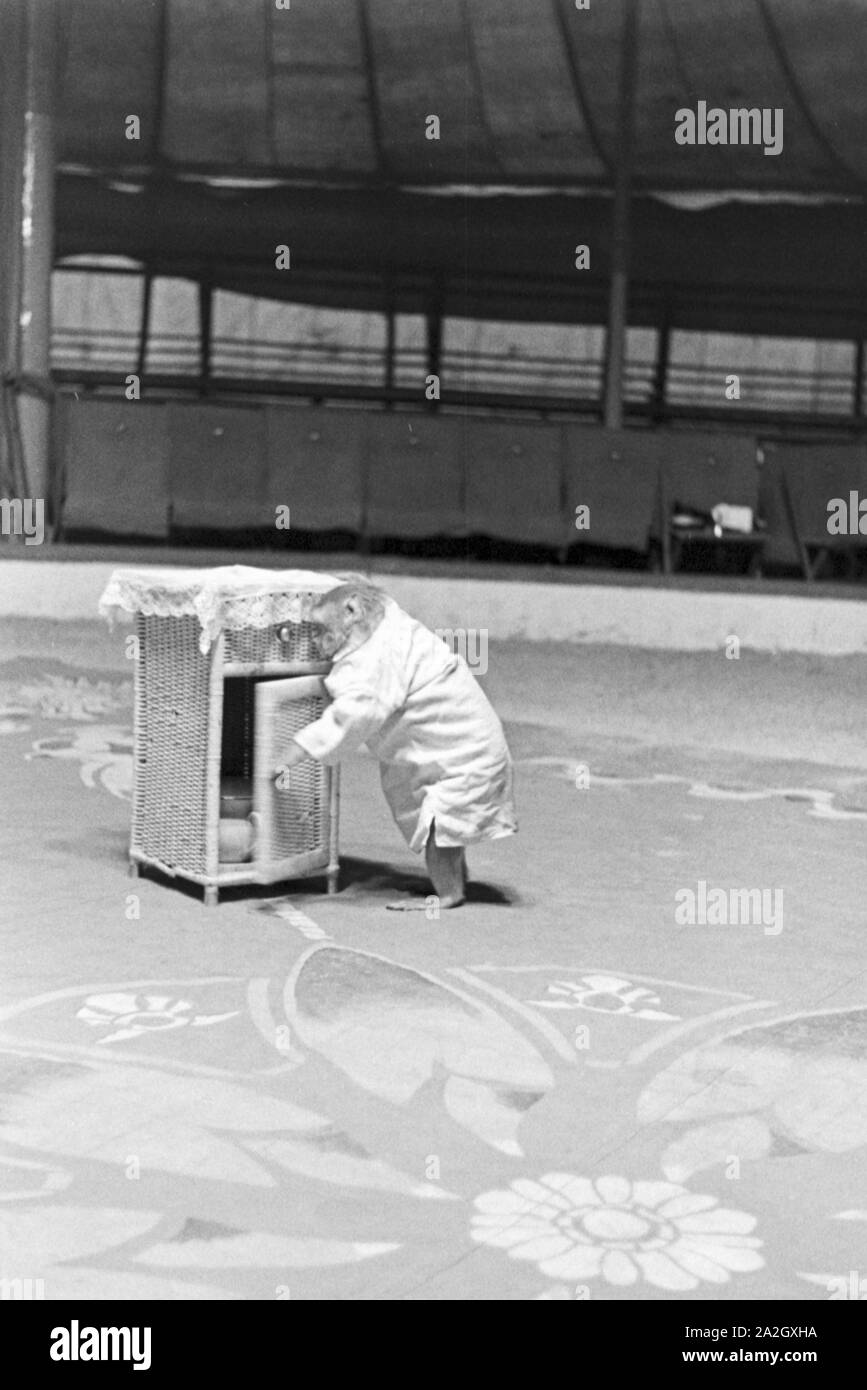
pixel 231 597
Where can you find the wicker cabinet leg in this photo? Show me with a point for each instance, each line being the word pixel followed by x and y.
pixel 132 869
pixel 333 871
pixel 212 896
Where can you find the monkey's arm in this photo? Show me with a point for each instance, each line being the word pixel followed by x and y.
pixel 351 719
pixel 292 755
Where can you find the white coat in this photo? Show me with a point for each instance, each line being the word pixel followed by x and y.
pixel 419 710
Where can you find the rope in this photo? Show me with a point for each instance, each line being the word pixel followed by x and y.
pixel 29 384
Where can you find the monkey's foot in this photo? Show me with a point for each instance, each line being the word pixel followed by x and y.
pixel 422 904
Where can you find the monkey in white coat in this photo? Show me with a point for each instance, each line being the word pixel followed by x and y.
pixel 397 688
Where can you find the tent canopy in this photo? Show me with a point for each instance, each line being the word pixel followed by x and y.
pixel 329 99
pixel 338 90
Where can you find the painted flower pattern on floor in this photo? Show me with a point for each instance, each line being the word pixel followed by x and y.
pixel 401 1123
pixel 573 1228
pixel 77 698
pixel 90 734
pixel 338 1193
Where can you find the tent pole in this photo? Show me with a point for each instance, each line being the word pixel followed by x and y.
pixel 37 245
pixel 12 50
pixel 435 338
pixel 858 384
pixel 206 319
pixel 660 372
pixel 389 345
pixel 145 325
pixel 619 284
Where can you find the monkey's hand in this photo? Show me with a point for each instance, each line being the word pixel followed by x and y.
pixel 294 754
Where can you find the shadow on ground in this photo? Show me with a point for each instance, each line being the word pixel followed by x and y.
pixel 368 879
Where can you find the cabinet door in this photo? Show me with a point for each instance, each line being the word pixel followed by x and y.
pixel 292 821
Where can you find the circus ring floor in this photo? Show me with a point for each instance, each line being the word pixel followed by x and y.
pixel 557 1092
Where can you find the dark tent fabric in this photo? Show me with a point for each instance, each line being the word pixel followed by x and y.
pixel 315 467
pixel 116 467
pixel 329 99
pixel 218 466
pixel 732 267
pixel 513 481
pixel 306 126
pixel 415 475
pixel 703 469
pixel 615 473
pixel 798 483
pixel 339 90
pixel 395 473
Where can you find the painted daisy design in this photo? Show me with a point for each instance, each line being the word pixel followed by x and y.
pixel 576 1229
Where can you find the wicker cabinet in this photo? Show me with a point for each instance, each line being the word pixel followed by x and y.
pixel 210 728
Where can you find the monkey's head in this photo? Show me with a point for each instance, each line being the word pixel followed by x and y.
pixel 345 617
